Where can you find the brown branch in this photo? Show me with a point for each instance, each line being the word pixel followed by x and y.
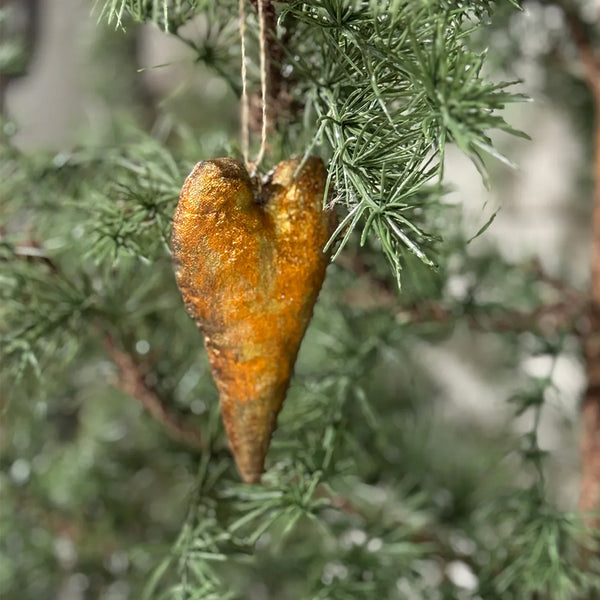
pixel 33 252
pixel 588 58
pixel 133 381
pixel 591 66
pixel 566 314
pixel 279 99
pixel 132 377
pixel 589 499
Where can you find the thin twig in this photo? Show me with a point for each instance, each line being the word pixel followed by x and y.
pixel 565 314
pixel 132 380
pixel 278 98
pixel 34 252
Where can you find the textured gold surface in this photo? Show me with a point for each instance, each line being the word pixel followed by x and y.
pixel 250 265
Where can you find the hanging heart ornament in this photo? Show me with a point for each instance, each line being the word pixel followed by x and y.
pixel 249 262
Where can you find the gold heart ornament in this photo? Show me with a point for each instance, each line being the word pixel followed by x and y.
pixel 249 262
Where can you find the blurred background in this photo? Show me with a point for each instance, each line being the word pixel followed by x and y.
pixel 75 81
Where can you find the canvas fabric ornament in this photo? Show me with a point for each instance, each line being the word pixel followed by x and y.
pixel 249 262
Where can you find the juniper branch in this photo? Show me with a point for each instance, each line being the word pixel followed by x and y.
pixel 396 89
pixel 132 379
pixel 564 315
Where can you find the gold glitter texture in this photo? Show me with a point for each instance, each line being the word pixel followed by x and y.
pixel 250 264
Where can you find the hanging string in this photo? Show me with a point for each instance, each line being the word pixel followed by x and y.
pixel 263 80
pixel 245 101
pixel 245 117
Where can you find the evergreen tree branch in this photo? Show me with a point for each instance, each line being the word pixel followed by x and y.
pixel 132 380
pixel 396 89
pixel 358 502
pixel 549 319
pixel 132 377
pixel 213 48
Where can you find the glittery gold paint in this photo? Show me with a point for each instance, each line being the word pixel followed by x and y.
pixel 250 265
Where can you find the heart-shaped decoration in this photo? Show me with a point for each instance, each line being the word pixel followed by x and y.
pixel 250 263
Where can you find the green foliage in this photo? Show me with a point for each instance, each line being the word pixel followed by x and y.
pixel 399 82
pixel 362 498
pixel 168 14
pixel 370 491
